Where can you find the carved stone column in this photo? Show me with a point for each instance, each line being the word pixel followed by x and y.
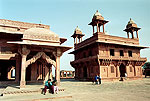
pixel 24 52
pixel 117 71
pixel 57 54
pixel 97 28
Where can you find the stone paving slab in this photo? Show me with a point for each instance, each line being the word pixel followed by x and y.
pixel 137 90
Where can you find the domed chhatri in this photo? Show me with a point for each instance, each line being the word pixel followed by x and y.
pixel 131 27
pixel 97 16
pixel 98 21
pixel 77 30
pixel 131 23
pixel 41 34
pixel 77 35
pixel 97 13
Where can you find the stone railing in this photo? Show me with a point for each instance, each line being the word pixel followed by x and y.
pixel 117 40
pixel 86 42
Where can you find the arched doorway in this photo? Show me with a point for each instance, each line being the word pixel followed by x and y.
pixel 122 69
pixel 85 72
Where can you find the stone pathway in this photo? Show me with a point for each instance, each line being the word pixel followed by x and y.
pixel 137 90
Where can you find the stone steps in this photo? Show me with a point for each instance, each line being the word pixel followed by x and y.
pixel 25 91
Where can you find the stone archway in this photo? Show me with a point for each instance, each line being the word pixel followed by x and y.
pixel 43 72
pixel 122 69
pixel 41 68
pixel 40 55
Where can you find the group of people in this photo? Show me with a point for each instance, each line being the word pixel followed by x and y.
pixel 97 79
pixel 52 86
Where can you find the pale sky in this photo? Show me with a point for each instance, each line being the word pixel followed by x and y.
pixel 64 15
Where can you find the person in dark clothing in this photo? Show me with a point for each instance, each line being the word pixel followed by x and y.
pixel 99 79
pixel 96 79
pixel 48 85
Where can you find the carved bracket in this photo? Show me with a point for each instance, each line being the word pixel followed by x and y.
pixel 24 50
pixel 58 53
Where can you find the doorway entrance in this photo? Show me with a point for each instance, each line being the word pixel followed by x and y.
pixel 7 68
pixel 122 69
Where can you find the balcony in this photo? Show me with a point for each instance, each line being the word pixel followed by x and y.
pixel 122 58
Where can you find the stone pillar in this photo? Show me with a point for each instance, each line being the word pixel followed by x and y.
pixel 23 72
pixel 132 35
pixel 79 40
pixel 128 34
pixel 57 71
pixel 118 71
pixel 103 28
pixel 74 40
pixel 97 28
pixel 24 52
pixel 137 34
pixel 93 29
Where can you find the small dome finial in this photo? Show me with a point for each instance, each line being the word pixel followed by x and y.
pixel 96 10
pixel 130 19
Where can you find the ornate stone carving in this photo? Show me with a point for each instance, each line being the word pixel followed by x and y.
pixel 24 50
pixel 47 58
pixel 58 52
pixel 37 56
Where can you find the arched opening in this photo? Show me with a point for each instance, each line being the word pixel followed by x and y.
pixel 40 67
pixel 7 70
pixel 122 69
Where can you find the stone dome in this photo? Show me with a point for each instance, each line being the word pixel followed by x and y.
pixel 131 23
pixel 41 34
pixel 77 30
pixel 98 16
pixel 97 13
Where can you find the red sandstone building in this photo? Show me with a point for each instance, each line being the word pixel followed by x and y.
pixel 28 51
pixel 107 55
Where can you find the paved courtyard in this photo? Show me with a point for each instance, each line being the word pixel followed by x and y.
pixel 137 90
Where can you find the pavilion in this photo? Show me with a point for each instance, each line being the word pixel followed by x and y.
pixel 28 51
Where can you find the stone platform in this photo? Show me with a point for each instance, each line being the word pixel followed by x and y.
pixel 134 90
